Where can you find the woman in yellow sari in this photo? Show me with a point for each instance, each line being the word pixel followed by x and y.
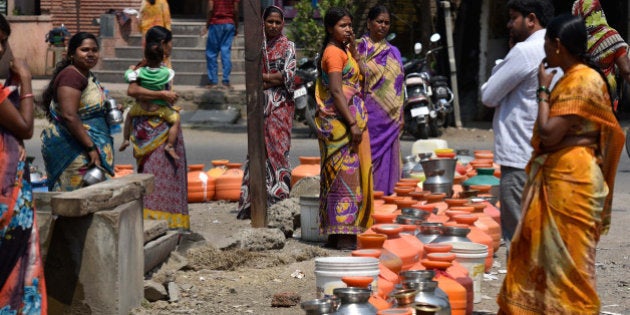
pixel 154 13
pixel 567 199
pixel 346 199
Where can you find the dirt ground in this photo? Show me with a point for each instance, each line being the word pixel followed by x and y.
pixel 240 282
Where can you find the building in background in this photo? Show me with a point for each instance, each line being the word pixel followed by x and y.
pixel 480 35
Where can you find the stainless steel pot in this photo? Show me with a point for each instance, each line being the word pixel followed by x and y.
pixel 93 176
pixel 440 174
pixel 354 301
pixel 114 115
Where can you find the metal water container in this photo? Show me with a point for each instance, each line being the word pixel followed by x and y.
pixel 354 301
pixel 114 115
pixel 439 175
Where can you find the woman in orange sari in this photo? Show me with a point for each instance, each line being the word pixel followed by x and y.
pixel 22 284
pixel 567 199
pixel 346 199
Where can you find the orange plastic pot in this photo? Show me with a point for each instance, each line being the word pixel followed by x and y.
pixel 383 217
pixel 457 294
pixel 201 187
pixel 228 185
pixel 370 241
pixel 378 194
pixel 403 190
pixel 309 166
pixel 455 202
pixel 405 203
pixel 405 246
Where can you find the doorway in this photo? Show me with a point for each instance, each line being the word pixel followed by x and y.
pixel 188 9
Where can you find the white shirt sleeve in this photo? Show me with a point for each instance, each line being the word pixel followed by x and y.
pixel 505 77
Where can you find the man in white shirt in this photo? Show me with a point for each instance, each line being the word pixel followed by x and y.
pixel 511 91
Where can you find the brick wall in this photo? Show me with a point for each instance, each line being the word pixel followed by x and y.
pixel 65 11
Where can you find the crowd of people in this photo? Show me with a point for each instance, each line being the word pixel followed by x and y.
pixel 556 138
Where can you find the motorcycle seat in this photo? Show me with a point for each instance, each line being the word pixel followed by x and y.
pixel 438 78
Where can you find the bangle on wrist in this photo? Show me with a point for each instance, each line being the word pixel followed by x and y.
pixel 543 100
pixel 352 123
pixel 543 88
pixel 92 147
pixel 27 95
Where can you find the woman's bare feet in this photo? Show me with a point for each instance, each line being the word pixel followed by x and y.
pixel 171 151
pixel 123 145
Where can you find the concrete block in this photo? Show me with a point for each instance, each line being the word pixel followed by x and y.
pixel 154 229
pixel 102 196
pixel 95 262
pixel 45 219
pixel 156 251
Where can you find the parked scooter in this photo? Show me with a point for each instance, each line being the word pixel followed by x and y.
pixel 428 98
pixel 304 91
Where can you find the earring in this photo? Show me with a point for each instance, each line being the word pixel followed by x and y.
pixel 558 51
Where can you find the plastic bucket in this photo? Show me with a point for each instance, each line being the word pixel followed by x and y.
pixel 472 256
pixel 309 219
pixel 329 270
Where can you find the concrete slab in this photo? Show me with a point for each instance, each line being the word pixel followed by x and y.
pixel 154 229
pixel 156 251
pixel 95 262
pixel 102 196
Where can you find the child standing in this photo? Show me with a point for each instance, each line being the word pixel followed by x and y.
pixel 152 75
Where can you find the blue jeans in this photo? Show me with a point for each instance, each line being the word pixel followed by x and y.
pixel 219 39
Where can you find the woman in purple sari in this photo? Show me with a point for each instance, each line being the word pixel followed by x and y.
pixel 383 96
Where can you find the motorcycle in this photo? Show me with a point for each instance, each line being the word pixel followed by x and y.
pixel 428 98
pixel 304 92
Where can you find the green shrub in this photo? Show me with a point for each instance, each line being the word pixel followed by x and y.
pixel 308 32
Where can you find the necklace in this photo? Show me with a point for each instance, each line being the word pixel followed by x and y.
pixel 334 43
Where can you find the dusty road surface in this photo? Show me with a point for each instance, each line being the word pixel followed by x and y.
pixel 238 282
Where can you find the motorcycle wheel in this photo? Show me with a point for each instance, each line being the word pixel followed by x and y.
pixel 421 131
pixel 434 129
pixel 309 113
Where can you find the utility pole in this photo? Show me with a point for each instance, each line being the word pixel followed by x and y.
pixel 255 112
pixel 451 60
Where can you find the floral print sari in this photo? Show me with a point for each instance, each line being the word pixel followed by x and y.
pixel 346 191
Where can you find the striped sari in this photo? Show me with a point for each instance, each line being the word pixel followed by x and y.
pixel 567 204
pixel 346 199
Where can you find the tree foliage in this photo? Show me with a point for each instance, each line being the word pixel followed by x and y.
pixel 306 30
